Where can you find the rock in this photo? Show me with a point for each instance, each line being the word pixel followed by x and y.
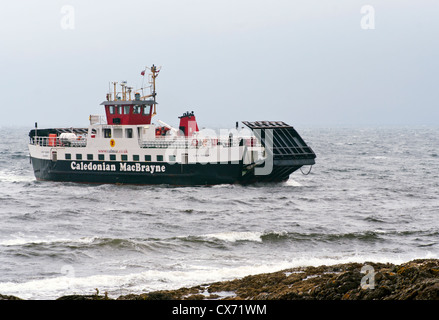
pixel 430 290
pixel 6 297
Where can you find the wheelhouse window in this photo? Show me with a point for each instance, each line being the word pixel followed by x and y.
pixel 146 110
pixel 111 109
pixel 126 109
pixel 136 109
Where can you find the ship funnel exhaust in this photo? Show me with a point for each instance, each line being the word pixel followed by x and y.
pixel 188 124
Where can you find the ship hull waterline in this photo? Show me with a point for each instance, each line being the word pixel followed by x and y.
pixel 154 173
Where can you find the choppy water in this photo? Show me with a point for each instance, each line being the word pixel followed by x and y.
pixel 372 196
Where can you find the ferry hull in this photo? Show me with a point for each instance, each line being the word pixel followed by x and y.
pixel 118 172
pixel 163 173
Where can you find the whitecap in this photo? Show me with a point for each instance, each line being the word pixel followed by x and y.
pixel 27 240
pixel 234 236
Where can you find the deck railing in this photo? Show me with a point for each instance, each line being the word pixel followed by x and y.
pixel 197 142
pixel 97 119
pixel 57 142
pixel 158 142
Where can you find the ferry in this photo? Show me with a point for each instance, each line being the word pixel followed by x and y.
pixel 127 147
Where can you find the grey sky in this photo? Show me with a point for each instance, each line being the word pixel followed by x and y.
pixel 304 62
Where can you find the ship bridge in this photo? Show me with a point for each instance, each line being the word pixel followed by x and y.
pixel 130 112
pixel 121 109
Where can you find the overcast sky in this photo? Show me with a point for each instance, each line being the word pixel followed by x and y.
pixel 306 62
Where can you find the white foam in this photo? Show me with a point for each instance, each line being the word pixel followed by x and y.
pixel 293 183
pixel 21 240
pixel 234 236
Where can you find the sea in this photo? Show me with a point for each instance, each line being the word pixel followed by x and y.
pixel 372 196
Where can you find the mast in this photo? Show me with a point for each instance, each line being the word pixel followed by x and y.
pixel 155 73
pixel 115 93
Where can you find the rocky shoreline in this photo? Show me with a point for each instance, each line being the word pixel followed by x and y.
pixel 414 280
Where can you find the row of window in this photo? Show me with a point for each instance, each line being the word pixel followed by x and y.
pixel 118 133
pixel 124 157
pixel 127 109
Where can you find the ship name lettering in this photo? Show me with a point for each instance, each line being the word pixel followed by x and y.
pixel 142 168
pixel 81 166
pixel 124 167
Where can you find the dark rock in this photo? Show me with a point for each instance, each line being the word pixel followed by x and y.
pixel 6 297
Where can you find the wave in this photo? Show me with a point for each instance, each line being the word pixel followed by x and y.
pixel 241 236
pixel 130 244
pixel 293 183
pixel 273 236
pixel 30 241
pixel 234 236
pixel 78 243
pixel 18 155
pixel 217 238
pixel 95 243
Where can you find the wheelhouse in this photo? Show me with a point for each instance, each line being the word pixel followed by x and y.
pixel 132 112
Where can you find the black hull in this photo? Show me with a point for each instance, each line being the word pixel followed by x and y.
pixel 173 174
pixel 163 173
